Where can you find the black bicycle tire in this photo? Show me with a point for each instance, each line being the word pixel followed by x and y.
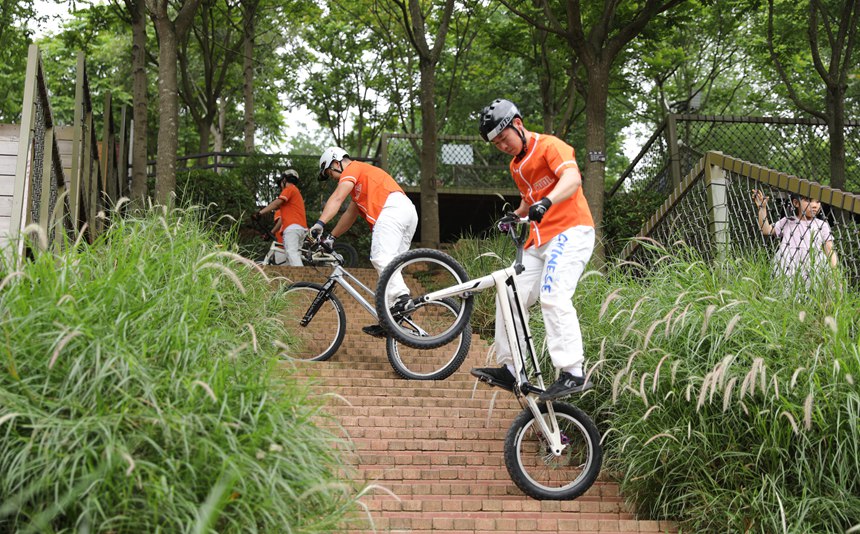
pixel 340 331
pixel 347 252
pixel 387 320
pixel 442 373
pixel 519 475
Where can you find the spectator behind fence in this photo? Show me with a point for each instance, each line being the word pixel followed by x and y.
pixel 806 243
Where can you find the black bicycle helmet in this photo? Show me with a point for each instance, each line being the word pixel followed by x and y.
pixel 496 117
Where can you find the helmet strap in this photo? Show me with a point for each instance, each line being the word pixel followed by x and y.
pixel 525 143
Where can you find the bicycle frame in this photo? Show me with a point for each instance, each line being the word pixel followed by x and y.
pixel 514 314
pixel 342 277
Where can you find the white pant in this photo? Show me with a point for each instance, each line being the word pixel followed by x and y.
pixel 552 272
pixel 392 235
pixel 293 236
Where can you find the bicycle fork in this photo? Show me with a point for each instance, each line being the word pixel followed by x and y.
pixel 547 423
pixel 317 302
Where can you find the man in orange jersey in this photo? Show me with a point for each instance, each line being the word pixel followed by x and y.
pixel 291 210
pixel 383 204
pixel 560 243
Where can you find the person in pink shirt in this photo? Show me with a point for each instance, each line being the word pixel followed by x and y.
pixel 806 242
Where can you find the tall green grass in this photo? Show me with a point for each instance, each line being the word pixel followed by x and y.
pixel 727 403
pixel 141 391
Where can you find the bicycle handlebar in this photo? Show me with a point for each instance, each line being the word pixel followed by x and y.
pixel 319 251
pixel 518 230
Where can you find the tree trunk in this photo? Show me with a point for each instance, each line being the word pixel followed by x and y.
pixel 250 124
pixel 218 133
pixel 170 33
pixel 595 144
pixel 835 102
pixel 139 188
pixel 168 107
pixel 429 169
pixel 204 127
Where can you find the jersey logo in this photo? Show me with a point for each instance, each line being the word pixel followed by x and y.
pixel 544 182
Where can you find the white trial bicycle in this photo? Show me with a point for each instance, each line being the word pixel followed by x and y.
pixel 552 449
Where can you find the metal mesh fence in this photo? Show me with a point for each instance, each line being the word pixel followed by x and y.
pixel 794 146
pixel 716 212
pixel 462 161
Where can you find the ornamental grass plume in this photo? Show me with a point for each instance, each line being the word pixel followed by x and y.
pixel 141 376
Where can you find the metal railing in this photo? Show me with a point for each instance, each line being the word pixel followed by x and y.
pixel 712 211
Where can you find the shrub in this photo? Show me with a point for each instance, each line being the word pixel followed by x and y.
pixel 142 392
pixel 728 403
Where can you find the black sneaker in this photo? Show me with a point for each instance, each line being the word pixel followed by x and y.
pixel 567 384
pixel 399 308
pixel 375 330
pixel 495 376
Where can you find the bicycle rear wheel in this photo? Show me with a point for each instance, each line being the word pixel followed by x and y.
pixel 424 270
pixel 537 471
pixel 325 319
pixel 430 364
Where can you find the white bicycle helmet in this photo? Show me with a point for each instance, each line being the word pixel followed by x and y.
pixel 289 176
pixel 328 157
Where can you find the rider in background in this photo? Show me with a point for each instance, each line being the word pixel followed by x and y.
pixel 291 210
pixel 383 204
pixel 560 243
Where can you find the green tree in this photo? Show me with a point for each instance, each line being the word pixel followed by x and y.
pixel 597 35
pixel 15 35
pixel 831 31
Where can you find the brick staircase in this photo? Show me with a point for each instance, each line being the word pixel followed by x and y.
pixel 438 446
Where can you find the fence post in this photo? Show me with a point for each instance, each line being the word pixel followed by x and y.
pixel 674 153
pixel 383 151
pixel 716 182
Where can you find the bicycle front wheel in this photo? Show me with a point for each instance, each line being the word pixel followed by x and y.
pixel 537 471
pixel 430 364
pixel 325 322
pixel 424 271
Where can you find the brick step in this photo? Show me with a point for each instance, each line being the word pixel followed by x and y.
pixel 390 384
pixel 480 482
pixel 411 440
pixel 588 503
pixel 507 523
pixel 412 389
pixel 450 446
pixel 425 403
pixel 378 367
pixel 412 416
pixel 360 426
pixel 499 487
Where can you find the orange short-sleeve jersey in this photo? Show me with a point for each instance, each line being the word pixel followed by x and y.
pixel 536 174
pixel 371 187
pixel 292 211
